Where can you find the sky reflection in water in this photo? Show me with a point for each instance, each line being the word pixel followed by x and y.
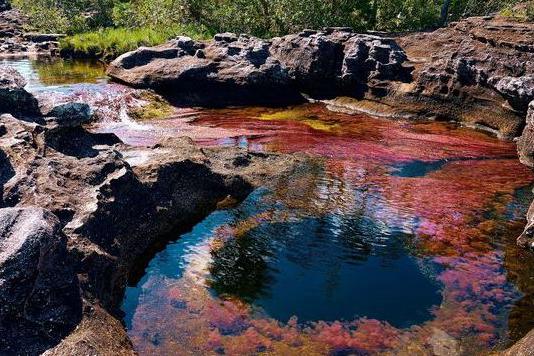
pixel 396 237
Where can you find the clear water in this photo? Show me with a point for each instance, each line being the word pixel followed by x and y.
pixel 46 74
pixel 395 237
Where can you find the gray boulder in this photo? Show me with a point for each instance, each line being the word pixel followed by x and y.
pixel 519 91
pixel 38 288
pixel 228 70
pixel 14 98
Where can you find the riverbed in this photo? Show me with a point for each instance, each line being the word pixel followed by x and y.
pixel 397 236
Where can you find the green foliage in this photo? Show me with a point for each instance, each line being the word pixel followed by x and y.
pixel 67 16
pixel 522 12
pixel 405 15
pixel 112 42
pixel 465 8
pixel 530 11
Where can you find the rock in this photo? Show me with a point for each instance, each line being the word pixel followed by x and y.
pixel 525 144
pixel 521 348
pixel 226 71
pixel 473 71
pixel 242 69
pixel 102 206
pixel 42 37
pixel 38 287
pixel 525 147
pixel 339 62
pixel 5 5
pixel 70 114
pixel 14 42
pixel 519 91
pixel 13 97
pixel 443 344
pixel 97 334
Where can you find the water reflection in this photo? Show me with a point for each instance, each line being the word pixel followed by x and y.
pixel 396 237
pixel 43 73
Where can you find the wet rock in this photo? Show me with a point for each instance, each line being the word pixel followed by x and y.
pixel 63 115
pixel 523 347
pixel 241 69
pixel 13 97
pixel 99 333
pixel 102 205
pixel 525 146
pixel 39 296
pixel 443 344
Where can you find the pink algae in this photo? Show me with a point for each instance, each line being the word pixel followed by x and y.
pixel 446 209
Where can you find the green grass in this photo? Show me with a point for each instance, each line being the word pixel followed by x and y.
pixel 112 42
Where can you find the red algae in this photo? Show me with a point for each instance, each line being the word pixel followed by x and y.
pixel 457 212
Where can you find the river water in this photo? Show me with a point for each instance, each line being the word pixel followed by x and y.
pixel 397 236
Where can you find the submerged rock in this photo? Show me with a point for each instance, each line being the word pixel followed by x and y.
pixel 234 69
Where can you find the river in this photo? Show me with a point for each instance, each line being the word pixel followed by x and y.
pixel 397 235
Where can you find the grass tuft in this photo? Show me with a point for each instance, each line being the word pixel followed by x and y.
pixel 112 42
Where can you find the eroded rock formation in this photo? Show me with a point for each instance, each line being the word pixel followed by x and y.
pixel 40 298
pixel 233 69
pixel 480 70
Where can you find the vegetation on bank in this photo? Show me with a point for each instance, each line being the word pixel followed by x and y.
pixel 109 43
pixel 107 28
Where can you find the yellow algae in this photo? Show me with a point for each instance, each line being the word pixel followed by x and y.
pixel 304 116
pixel 153 107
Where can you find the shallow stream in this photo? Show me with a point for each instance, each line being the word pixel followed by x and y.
pixel 397 236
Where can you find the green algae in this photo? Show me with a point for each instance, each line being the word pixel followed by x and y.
pixel 155 108
pixel 304 116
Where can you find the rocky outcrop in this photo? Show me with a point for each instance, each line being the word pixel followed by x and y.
pixel 233 69
pixel 79 209
pixel 229 70
pixel 339 62
pixel 15 42
pixel 479 71
pixel 39 294
pixel 525 146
